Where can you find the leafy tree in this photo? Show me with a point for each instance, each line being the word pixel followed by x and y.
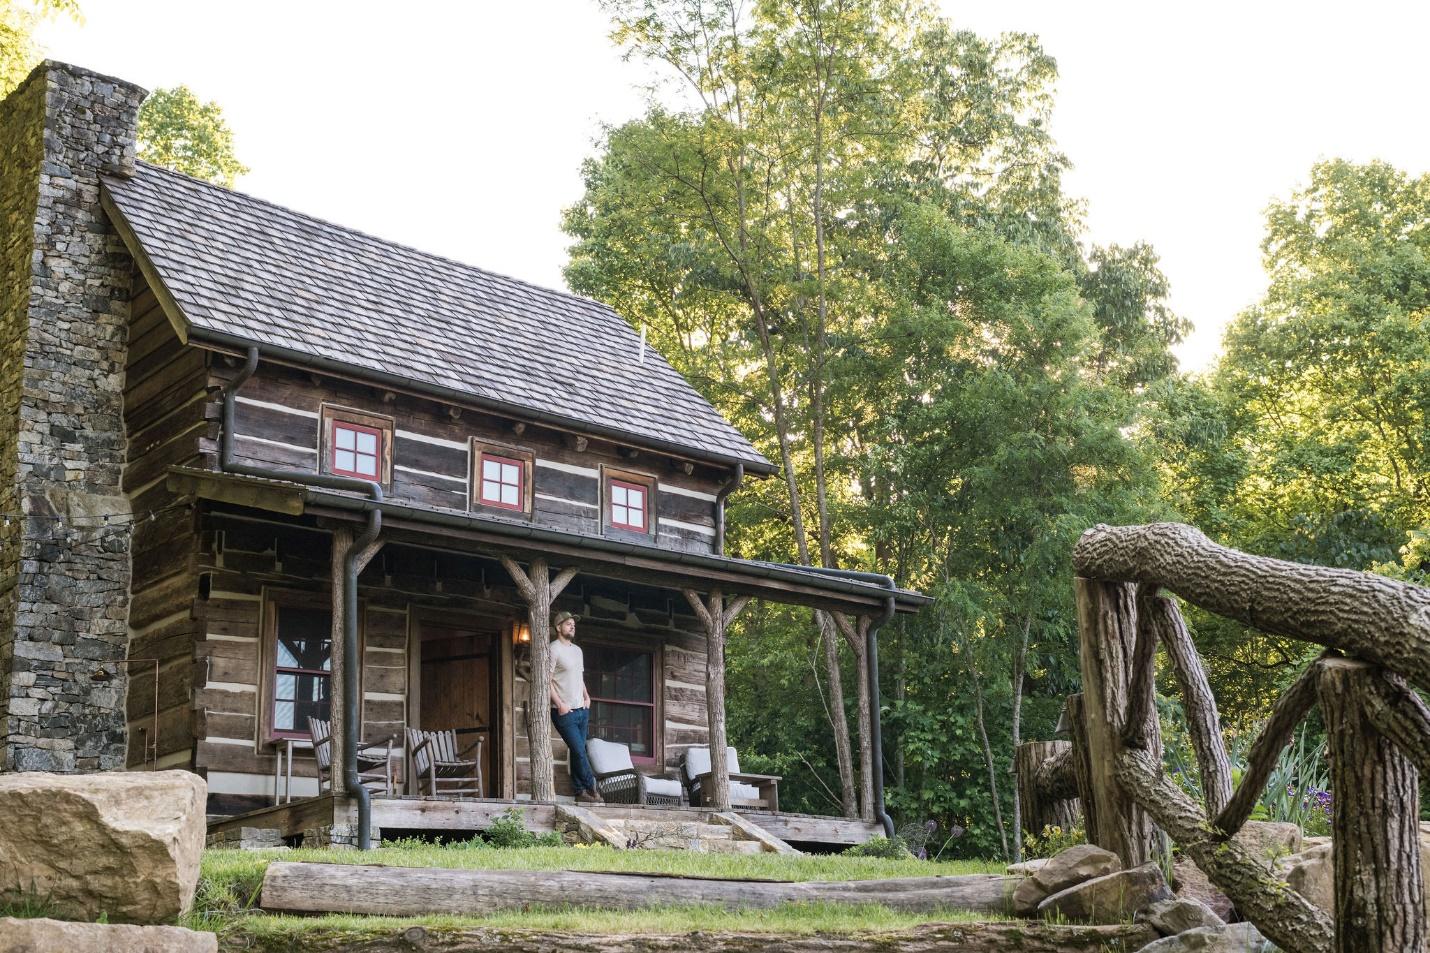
pixel 181 132
pixel 1308 440
pixel 849 231
pixel 18 52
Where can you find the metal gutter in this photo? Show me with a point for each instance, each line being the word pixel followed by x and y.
pixel 373 508
pixel 730 486
pixel 285 355
pixel 835 580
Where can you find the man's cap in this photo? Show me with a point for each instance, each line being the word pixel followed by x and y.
pixel 563 616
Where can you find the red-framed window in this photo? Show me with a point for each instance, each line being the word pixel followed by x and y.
pixel 356 451
pixel 622 685
pixel 501 482
pixel 302 668
pixel 630 506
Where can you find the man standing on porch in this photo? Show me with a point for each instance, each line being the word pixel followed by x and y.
pixel 571 704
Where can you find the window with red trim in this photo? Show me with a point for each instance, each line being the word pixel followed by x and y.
pixel 356 451
pixel 501 482
pixel 629 506
pixel 303 666
pixel 621 683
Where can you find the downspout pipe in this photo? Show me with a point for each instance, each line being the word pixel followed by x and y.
pixel 730 486
pixel 871 648
pixel 351 700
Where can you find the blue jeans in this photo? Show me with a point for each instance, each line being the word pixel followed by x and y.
pixel 572 729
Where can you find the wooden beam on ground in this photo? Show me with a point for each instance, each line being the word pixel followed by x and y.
pixel 415 891
pixel 1022 937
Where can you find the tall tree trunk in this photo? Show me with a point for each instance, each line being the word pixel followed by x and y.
pixel 1020 662
pixel 988 759
pixel 856 635
pixel 838 719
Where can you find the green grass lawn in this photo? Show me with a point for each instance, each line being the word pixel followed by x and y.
pixel 230 880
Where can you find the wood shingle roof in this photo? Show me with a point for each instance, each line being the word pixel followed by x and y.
pixel 243 270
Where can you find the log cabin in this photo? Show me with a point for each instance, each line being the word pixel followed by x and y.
pixel 282 470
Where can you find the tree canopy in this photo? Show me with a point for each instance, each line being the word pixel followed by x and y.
pixel 181 132
pixel 844 221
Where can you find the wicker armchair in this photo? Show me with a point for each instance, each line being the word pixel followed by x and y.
pixel 374 770
pixel 619 782
pixel 759 791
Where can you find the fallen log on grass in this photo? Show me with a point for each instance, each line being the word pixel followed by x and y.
pixel 415 891
pixel 930 938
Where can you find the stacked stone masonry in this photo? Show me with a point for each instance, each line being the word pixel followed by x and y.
pixel 65 284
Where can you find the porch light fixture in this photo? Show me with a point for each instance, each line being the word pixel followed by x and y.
pixel 521 633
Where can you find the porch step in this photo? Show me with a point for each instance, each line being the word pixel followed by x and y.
pixel 658 833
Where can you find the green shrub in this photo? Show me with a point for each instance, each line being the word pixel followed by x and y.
pixel 1052 841
pixel 509 830
pixel 888 849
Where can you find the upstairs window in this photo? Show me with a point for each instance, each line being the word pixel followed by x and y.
pixel 502 483
pixel 501 478
pixel 357 451
pixel 629 502
pixel 357 444
pixel 628 506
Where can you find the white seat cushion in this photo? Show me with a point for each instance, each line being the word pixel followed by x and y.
pixel 739 791
pixel 608 756
pixel 697 761
pixel 666 787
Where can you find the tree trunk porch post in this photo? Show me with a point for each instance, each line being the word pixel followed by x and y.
pixel 1375 821
pixel 716 617
pixel 1108 637
pixel 539 590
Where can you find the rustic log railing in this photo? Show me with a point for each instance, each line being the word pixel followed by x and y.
pixel 1377 635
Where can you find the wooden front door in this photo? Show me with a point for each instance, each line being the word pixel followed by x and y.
pixel 458 687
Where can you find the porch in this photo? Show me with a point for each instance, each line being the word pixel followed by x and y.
pixel 464 817
pixel 438 623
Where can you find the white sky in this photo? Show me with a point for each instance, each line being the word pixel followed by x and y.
pixel 459 127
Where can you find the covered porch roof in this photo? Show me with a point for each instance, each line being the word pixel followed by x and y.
pixel 617 559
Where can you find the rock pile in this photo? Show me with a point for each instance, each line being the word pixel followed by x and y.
pixel 1087 884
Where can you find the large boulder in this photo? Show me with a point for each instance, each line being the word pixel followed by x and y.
pixel 1268 841
pixel 31 936
pixel 1193 884
pixel 123 845
pixel 1170 917
pixel 1311 873
pixel 1114 898
pixel 1072 866
pixel 1237 938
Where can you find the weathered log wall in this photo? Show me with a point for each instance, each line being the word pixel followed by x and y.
pixel 277 422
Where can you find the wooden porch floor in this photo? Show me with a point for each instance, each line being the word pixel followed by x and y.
pixel 470 815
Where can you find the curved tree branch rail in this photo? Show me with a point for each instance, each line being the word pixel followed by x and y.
pixel 1377 635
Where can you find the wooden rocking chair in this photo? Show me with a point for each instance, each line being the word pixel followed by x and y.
pixel 445 769
pixel 374 770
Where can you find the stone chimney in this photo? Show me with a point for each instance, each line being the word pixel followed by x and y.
pixel 65 281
